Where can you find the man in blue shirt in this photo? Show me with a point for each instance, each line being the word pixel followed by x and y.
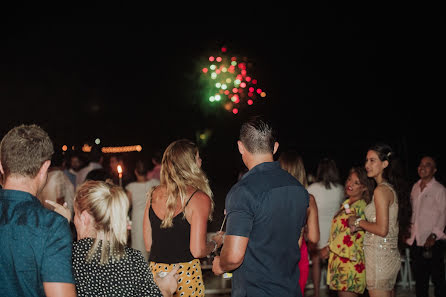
pixel 266 211
pixel 35 245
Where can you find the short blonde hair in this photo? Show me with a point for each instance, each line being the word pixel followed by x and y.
pixel 179 170
pixel 108 205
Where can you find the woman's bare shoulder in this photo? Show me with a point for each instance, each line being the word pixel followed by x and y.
pixel 383 192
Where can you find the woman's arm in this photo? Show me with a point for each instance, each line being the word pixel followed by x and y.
pixel 129 196
pixel 197 214
pixel 313 221
pixel 147 228
pixel 383 198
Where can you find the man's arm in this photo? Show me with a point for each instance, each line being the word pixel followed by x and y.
pixel 59 289
pixel 232 254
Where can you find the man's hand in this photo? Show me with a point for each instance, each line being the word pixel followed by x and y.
pixel 168 284
pixel 216 268
pixel 219 238
pixel 430 241
pixel 61 209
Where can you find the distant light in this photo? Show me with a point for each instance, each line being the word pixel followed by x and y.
pixel 212 67
pixel 224 69
pixel 233 59
pixel 235 111
pixel 263 94
pixel 86 148
pixel 224 49
pixel 226 92
pixel 218 59
pixel 259 91
pixel 254 81
pixel 251 89
pixel 205 70
pixel 217 97
pixel 64 148
pixel 97 141
pixel 119 169
pixel 202 136
pixel 212 99
pixel 218 71
pixel 218 85
pixel 243 84
pixel 250 102
pixel 121 149
pixel 213 75
pixel 250 94
pixel 248 78
pixel 224 86
pixel 234 90
pixel 211 58
pixel 228 80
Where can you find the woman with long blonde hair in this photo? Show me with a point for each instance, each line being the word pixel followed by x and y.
pixel 176 217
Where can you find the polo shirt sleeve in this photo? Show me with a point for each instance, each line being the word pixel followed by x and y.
pixel 240 214
pixel 56 262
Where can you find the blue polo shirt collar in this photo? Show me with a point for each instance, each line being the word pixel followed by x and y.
pixel 17 195
pixel 265 166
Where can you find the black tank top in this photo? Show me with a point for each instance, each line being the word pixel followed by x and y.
pixel 170 245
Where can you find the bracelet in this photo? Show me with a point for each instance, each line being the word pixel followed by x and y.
pixel 215 245
pixel 357 222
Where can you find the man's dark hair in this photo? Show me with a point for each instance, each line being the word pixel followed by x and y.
pixel 95 155
pixel 99 174
pixel 258 136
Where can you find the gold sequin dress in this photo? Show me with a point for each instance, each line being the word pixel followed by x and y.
pixel 382 257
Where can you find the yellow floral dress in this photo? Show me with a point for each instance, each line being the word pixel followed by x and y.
pixel 346 263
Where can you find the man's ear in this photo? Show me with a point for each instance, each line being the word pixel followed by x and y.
pixel 1 169
pixel 44 169
pixel 276 147
pixel 241 147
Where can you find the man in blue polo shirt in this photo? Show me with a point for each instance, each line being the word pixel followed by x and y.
pixel 35 243
pixel 266 211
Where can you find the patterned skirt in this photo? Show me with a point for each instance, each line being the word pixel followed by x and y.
pixel 346 275
pixel 190 282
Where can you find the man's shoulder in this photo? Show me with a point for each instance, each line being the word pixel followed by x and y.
pixel 438 185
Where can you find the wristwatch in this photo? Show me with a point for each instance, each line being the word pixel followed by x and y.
pixel 433 235
pixel 357 222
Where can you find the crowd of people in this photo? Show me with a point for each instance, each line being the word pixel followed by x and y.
pixel 66 230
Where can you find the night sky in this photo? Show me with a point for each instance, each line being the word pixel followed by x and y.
pixel 338 79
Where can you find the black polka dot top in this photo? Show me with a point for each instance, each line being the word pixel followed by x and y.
pixel 130 276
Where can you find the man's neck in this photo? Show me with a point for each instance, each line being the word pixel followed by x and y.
pixel 425 181
pixel 24 184
pixel 256 159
